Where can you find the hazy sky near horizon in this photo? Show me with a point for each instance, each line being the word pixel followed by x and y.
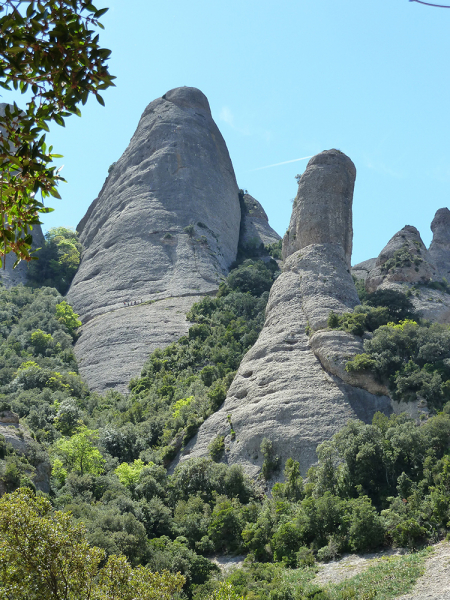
pixel 284 80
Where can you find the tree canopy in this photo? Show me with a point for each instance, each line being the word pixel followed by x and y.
pixel 45 555
pixel 50 50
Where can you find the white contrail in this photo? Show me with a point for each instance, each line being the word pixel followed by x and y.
pixel 282 163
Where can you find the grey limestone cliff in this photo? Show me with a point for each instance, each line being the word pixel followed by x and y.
pixel 162 232
pixel 281 390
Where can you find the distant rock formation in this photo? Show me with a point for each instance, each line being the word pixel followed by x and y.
pixel 440 246
pixel 281 390
pixel 255 228
pixel 162 233
pixel 407 266
pixel 404 259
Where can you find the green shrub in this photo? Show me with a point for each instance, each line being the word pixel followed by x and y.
pixel 190 230
pixel 216 448
pixel 361 362
pixel 58 260
pixel 271 461
pixel 409 534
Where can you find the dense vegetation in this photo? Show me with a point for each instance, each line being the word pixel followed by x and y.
pixel 411 356
pixel 375 485
pixel 58 262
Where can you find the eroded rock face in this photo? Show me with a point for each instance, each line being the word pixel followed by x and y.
pixel 334 349
pixel 440 246
pixel 322 211
pixel 255 226
pixel 165 225
pixel 281 390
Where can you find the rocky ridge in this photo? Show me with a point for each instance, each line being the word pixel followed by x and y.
pixel 161 234
pixel 281 390
pixel 406 265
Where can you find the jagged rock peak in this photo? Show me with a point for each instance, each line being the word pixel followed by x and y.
pixel 440 246
pixel 164 229
pixel 323 206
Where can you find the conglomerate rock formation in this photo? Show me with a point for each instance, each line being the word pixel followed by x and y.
pixel 161 234
pixel 281 390
pixel 404 259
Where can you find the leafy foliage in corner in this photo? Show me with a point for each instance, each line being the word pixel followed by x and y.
pixel 58 261
pixel 45 555
pixel 50 50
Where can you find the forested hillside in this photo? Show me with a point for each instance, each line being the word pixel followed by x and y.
pixel 374 485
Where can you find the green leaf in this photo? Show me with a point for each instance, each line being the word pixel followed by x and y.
pixel 101 12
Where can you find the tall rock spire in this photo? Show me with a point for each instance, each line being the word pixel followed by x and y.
pixel 163 231
pixel 291 387
pixel 322 210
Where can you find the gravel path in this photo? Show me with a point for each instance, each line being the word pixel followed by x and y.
pixel 350 565
pixel 435 582
pixel 433 585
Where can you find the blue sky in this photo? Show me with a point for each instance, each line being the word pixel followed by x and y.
pixel 285 80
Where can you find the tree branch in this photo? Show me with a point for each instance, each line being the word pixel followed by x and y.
pixel 429 4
